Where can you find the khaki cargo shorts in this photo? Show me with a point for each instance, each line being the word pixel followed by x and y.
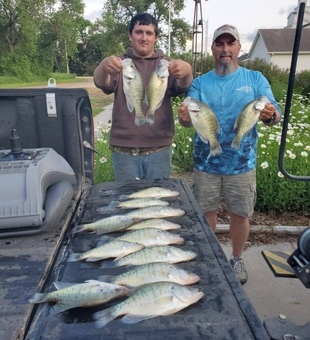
pixel 239 191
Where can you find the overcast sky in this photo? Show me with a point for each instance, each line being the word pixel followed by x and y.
pixel 247 15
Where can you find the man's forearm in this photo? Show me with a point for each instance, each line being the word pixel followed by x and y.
pixel 101 77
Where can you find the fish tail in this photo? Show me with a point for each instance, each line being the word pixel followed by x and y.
pixel 109 264
pixel 150 117
pixel 78 229
pixel 139 120
pixel 74 257
pixel 104 317
pixel 38 298
pixel 215 150
pixel 236 143
pixel 123 197
pixel 105 278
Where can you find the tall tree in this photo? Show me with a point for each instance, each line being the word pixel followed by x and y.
pixel 118 13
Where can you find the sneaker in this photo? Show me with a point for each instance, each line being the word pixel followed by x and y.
pixel 239 268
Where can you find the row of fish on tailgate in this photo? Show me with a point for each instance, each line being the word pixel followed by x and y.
pixel 155 286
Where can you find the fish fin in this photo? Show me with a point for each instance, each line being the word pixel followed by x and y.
pixel 104 317
pixel 110 207
pixel 131 319
pixel 38 298
pixel 216 150
pixel 94 259
pixel 145 100
pixel 78 229
pixel 123 197
pixel 139 121
pixel 203 139
pixel 60 285
pixel 106 278
pixel 150 117
pixel 104 240
pixel 74 257
pixel 109 264
pixel 60 307
pixel 236 143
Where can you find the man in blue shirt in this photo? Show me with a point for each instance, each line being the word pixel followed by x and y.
pixel 227 89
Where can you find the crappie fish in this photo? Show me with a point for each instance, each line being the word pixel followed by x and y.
pixel 151 273
pixel 155 192
pixel 205 123
pixel 247 119
pixel 167 254
pixel 150 301
pixel 133 89
pixel 157 223
pixel 151 237
pixel 90 293
pixel 141 203
pixel 106 225
pixel 156 88
pixel 116 248
pixel 155 212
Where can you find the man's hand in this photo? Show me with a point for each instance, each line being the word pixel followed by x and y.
pixel 179 68
pixel 184 117
pixel 111 65
pixel 268 112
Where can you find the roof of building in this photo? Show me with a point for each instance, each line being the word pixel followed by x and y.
pixel 282 40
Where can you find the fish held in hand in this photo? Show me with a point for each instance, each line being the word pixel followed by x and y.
pixel 247 118
pixel 116 248
pixel 133 89
pixel 205 123
pixel 168 254
pixel 106 225
pixel 156 212
pixel 157 223
pixel 151 273
pixel 150 301
pixel 156 89
pixel 90 293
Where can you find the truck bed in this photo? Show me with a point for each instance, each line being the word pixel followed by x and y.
pixel 223 313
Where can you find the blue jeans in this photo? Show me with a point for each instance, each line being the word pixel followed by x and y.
pixel 154 165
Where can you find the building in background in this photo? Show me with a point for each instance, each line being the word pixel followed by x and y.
pixel 276 45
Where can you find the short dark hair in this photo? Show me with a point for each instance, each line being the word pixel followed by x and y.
pixel 143 19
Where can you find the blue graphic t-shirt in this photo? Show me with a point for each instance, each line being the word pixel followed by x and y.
pixel 227 96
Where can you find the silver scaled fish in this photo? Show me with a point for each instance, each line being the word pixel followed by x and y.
pixel 205 123
pixel 168 254
pixel 155 212
pixel 141 203
pixel 116 248
pixel 150 301
pixel 157 223
pixel 90 293
pixel 247 118
pixel 107 225
pixel 149 237
pixel 151 273
pixel 154 192
pixel 133 89
pixel 156 89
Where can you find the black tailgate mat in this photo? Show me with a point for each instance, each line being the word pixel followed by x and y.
pixel 223 313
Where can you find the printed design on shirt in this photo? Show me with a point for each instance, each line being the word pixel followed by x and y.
pixel 245 89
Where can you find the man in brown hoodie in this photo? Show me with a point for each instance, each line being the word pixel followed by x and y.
pixel 144 151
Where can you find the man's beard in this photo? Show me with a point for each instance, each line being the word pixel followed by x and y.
pixel 225 67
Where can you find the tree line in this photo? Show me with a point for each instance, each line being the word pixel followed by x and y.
pixel 38 37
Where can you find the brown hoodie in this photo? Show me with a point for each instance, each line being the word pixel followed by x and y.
pixel 124 132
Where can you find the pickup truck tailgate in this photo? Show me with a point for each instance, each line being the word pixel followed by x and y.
pixel 223 313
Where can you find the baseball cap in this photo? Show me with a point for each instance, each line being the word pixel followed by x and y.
pixel 229 29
